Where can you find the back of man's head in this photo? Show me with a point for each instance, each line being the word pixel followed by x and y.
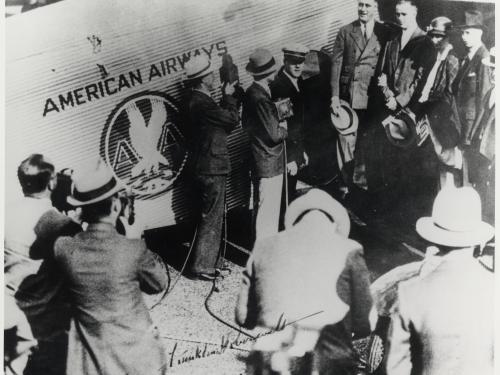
pixel 35 174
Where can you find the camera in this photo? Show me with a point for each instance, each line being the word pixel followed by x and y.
pixel 62 190
pixel 284 108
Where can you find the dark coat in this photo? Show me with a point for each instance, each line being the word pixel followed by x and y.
pixel 407 69
pixel 260 121
pixel 211 124
pixel 282 88
pixel 354 61
pixel 111 330
pixel 470 87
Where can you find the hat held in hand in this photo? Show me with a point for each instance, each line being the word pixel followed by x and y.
pixel 93 185
pixel 456 219
pixel 401 129
pixel 346 121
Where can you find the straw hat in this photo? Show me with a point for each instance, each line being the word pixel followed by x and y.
pixel 94 185
pixel 456 219
pixel 198 66
pixel 261 63
pixel 347 120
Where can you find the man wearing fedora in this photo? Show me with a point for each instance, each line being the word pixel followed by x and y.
pixel 311 269
pixel 472 82
pixel 267 135
pixel 288 84
pixel 211 125
pixel 32 278
pixel 111 330
pixel 444 321
pixel 355 55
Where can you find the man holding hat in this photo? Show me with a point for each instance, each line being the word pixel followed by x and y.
pixel 288 84
pixel 267 133
pixel 355 56
pixel 472 82
pixel 444 321
pixel 211 125
pixel 111 330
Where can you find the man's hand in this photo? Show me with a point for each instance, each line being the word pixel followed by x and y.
pixel 229 88
pixel 133 231
pixel 335 105
pixel 391 103
pixel 292 168
pixel 75 215
pixel 382 80
pixel 283 124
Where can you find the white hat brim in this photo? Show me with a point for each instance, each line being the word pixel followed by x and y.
pixel 431 232
pixel 335 119
pixel 75 202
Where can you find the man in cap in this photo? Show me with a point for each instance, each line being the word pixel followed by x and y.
pixel 32 278
pixel 111 330
pixel 288 84
pixel 311 269
pixel 267 133
pixel 355 55
pixel 472 82
pixel 405 62
pixel 211 124
pixel 444 322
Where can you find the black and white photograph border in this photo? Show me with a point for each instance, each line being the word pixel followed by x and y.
pixel 86 84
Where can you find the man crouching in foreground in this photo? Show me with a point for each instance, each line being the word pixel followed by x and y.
pixel 111 329
pixel 296 275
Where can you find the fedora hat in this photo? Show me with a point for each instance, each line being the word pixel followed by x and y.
pixel 198 66
pixel 456 219
pixel 261 63
pixel 93 185
pixel 401 129
pixel 473 20
pixel 439 26
pixel 316 199
pixel 490 60
pixel 295 52
pixel 347 120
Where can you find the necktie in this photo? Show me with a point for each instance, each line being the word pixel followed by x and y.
pixel 363 29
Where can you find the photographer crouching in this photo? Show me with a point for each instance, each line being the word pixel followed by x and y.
pixel 111 330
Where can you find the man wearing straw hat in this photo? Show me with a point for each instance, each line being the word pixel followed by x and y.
pixel 111 330
pixel 211 125
pixel 444 321
pixel 260 120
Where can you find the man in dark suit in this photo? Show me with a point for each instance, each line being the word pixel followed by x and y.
pixel 405 63
pixel 355 56
pixel 210 124
pixel 288 84
pixel 472 82
pixel 267 134
pixel 111 330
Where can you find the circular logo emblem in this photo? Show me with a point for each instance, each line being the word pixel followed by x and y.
pixel 143 145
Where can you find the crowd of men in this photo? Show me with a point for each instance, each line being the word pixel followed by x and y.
pixel 411 116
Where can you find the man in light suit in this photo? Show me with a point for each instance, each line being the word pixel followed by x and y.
pixel 267 134
pixel 444 320
pixel 355 55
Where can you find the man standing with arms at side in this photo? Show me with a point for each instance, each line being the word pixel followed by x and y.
pixel 267 133
pixel 211 125
pixel 288 84
pixel 355 56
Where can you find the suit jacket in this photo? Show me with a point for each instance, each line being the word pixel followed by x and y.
pixel 354 61
pixel 282 88
pixel 470 87
pixel 111 330
pixel 444 323
pixel 407 69
pixel 211 124
pixel 260 121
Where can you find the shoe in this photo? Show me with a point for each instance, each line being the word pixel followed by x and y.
pixel 202 276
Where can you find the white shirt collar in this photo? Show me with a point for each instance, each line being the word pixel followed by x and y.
pixel 369 27
pixel 472 52
pixel 264 85
pixel 292 79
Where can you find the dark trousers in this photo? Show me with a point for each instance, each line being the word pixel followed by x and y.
pixel 212 190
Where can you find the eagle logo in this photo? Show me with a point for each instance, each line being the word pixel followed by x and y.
pixel 143 144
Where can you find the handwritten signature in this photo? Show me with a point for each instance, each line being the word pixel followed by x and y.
pixel 203 351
